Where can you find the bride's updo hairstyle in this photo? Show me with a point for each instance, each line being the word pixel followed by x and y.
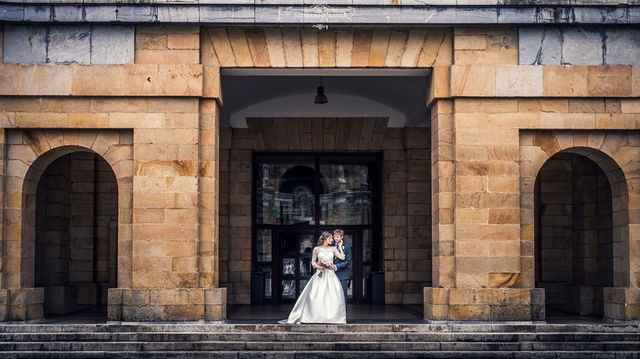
pixel 323 237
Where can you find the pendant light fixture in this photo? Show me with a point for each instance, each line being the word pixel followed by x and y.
pixel 321 98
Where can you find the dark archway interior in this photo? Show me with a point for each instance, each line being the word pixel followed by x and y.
pixel 574 235
pixel 76 234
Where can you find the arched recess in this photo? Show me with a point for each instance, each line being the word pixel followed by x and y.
pixel 616 155
pixel 575 228
pixel 29 154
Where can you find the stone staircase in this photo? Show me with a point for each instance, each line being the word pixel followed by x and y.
pixel 138 340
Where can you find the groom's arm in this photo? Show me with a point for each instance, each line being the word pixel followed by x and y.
pixel 342 264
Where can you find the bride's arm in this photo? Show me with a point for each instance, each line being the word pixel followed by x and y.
pixel 314 259
pixel 339 252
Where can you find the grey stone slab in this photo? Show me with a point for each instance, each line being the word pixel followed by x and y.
pixel 622 46
pixel 545 16
pixel 326 14
pixel 327 2
pixel 67 13
pixel 10 12
pixel 244 14
pixel 517 15
pixel 279 14
pixel 601 15
pixel 540 45
pixel 37 13
pixel 137 14
pixel 25 44
pixel 582 46
pixel 112 44
pixel 178 13
pixel 633 15
pixel 100 13
pixel 529 45
pixel 69 44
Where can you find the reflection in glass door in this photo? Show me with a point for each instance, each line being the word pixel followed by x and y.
pixel 296 197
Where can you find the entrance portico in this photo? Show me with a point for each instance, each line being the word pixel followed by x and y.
pixel 204 124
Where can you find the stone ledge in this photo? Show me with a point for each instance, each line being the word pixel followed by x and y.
pixel 544 81
pixel 101 80
pixel 340 12
pixel 160 304
pixel 356 2
pixel 484 304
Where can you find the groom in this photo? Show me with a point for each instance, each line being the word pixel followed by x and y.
pixel 344 266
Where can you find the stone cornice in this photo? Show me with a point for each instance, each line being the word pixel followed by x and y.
pixel 342 12
pixel 345 2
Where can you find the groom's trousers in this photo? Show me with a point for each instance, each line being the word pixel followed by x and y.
pixel 345 287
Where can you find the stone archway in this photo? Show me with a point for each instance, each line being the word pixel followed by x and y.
pixel 75 249
pixel 29 154
pixel 574 234
pixel 616 156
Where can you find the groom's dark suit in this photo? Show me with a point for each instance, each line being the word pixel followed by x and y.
pixel 344 271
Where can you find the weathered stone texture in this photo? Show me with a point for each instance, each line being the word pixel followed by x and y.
pixel 69 44
pixel 579 46
pixel 112 44
pixel 25 44
pixel 61 44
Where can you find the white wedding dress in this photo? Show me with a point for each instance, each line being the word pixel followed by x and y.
pixel 322 299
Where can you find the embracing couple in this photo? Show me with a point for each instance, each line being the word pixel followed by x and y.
pixel 323 298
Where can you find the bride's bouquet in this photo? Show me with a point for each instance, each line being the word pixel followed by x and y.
pixel 327 265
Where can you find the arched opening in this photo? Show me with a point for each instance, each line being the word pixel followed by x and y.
pixel 580 223
pixel 76 233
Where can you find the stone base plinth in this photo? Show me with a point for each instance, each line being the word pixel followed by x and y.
pixel 21 304
pixel 156 304
pixel 621 303
pixel 484 304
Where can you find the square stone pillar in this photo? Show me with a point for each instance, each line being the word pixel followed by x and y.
pixel 476 233
pixel 196 295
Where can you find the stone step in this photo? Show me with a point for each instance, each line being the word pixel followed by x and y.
pixel 344 328
pixel 318 337
pixel 327 355
pixel 197 346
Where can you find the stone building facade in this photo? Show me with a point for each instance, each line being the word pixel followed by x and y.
pixel 129 169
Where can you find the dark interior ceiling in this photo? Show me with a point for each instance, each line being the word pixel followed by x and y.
pixel 406 94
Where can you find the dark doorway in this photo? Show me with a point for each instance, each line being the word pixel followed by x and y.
pixel 574 235
pixel 76 234
pixel 297 197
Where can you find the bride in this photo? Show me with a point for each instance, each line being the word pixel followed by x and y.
pixel 322 299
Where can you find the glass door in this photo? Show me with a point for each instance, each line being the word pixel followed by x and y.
pixel 293 268
pixel 297 197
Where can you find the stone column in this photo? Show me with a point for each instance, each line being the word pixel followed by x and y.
pixel 209 199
